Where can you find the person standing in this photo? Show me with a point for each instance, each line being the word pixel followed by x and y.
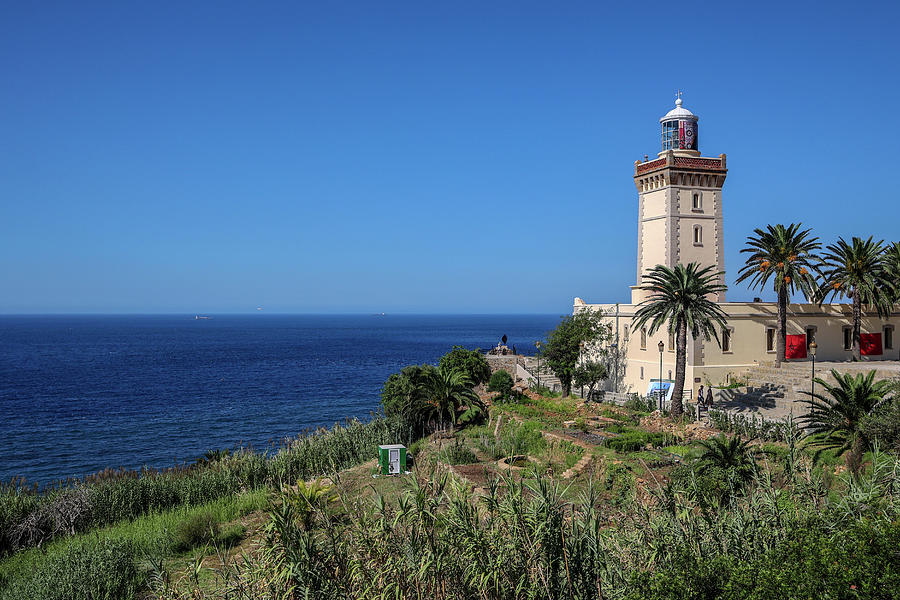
pixel 700 401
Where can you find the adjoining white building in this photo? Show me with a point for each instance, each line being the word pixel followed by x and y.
pixel 681 220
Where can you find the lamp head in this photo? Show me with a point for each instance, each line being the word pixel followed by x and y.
pixel 812 348
pixel 661 346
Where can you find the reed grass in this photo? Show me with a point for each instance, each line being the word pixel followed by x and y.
pixel 32 517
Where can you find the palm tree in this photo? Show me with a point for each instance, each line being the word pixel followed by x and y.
pixel 680 298
pixel 836 413
pixel 784 255
pixel 892 264
pixel 448 390
pixel 857 271
pixel 730 454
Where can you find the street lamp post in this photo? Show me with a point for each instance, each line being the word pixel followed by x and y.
pixel 581 361
pixel 661 347
pixel 812 352
pixel 615 349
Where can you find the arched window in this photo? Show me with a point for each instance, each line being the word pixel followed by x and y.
pixel 697 203
pixel 698 235
pixel 643 338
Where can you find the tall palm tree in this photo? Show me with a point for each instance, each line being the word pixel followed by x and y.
pixel 680 299
pixel 857 271
pixel 448 390
pixel 730 454
pixel 836 413
pixel 892 264
pixel 784 255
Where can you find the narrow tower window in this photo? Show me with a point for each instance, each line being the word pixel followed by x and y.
pixel 698 235
pixel 698 201
pixel 644 338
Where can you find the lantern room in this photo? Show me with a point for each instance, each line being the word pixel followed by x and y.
pixel 679 131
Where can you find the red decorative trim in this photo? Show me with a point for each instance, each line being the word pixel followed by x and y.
pixel 649 166
pixel 707 164
pixel 682 162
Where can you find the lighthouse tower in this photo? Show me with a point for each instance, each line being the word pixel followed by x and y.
pixel 679 201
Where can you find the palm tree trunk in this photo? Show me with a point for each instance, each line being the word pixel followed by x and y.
pixel 781 342
pixel 680 360
pixel 857 317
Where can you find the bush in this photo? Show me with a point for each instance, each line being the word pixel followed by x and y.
pixel 883 426
pixel 637 440
pixel 91 570
pixel 471 363
pixel 502 382
pixel 459 454
pixel 641 405
pixel 196 530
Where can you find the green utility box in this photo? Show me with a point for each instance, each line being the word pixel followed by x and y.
pixel 392 459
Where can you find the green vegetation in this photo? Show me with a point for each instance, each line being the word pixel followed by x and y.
pixel 589 374
pixel 730 454
pixel 565 344
pixel 787 256
pixel 29 518
pixel 631 440
pixel 652 512
pixel 502 382
pixel 679 299
pixel 836 415
pixel 107 563
pixel 470 363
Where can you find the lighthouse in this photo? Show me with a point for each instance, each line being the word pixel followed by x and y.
pixel 679 201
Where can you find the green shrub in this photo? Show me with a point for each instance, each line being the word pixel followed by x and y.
pixel 525 438
pixel 637 440
pixel 459 454
pixel 95 569
pixel 883 426
pixel 640 405
pixel 502 382
pixel 198 529
pixel 471 363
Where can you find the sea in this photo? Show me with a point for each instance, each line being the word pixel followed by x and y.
pixel 79 394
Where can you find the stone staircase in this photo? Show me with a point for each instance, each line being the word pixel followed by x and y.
pixel 776 392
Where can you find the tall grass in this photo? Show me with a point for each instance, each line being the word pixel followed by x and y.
pixel 29 517
pixel 524 539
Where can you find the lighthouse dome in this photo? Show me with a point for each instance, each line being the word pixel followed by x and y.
pixel 679 112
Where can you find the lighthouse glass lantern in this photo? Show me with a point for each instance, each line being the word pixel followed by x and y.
pixel 679 130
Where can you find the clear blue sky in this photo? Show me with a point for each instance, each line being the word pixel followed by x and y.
pixel 410 156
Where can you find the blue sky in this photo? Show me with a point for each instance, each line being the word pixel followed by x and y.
pixel 413 157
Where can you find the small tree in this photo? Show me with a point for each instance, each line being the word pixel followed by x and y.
pixel 565 343
pixel 502 382
pixel 590 374
pixel 470 363
pixel 405 393
pixel 836 415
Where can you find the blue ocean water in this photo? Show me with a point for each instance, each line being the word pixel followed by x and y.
pixel 82 393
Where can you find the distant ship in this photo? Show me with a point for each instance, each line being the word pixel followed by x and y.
pixel 198 317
